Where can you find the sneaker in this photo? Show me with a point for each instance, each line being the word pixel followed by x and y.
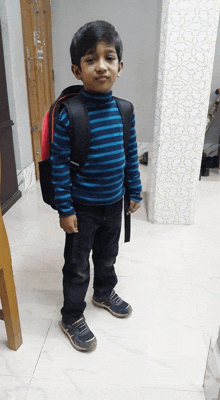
pixel 114 304
pixel 79 335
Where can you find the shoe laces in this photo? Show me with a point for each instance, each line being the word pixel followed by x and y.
pixel 81 325
pixel 114 298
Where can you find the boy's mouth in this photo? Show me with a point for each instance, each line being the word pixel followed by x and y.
pixel 101 78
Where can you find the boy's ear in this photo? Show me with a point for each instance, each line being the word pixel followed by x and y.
pixel 120 68
pixel 76 71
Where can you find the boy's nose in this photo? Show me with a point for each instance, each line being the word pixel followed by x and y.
pixel 101 66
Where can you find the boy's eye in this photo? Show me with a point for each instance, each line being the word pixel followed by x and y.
pixel 90 60
pixel 110 58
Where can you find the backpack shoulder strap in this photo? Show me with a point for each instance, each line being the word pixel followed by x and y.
pixel 79 129
pixel 126 110
pixel 55 108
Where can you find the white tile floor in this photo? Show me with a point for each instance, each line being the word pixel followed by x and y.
pixel 170 275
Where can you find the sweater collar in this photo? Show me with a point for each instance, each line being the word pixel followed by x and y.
pixel 97 98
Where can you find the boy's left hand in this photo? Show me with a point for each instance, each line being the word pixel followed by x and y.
pixel 133 207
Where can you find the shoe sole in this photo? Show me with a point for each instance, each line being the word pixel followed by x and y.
pixel 101 305
pixel 73 344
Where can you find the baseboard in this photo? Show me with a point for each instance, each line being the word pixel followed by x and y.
pixel 10 202
pixel 27 178
pixel 143 147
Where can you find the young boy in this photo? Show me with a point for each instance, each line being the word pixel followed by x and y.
pixel 90 207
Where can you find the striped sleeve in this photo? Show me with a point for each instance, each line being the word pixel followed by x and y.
pixel 60 159
pixel 132 174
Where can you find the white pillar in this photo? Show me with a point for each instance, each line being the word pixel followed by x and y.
pixel 187 48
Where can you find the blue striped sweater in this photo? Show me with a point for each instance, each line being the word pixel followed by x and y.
pixel 101 180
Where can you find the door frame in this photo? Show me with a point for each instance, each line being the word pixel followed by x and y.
pixel 37 40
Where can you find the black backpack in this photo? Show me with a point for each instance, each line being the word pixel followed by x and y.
pixel 75 105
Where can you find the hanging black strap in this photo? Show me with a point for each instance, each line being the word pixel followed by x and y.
pixel 127 219
pixel 126 111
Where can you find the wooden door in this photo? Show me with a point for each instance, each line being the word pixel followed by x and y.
pixel 37 37
pixel 9 192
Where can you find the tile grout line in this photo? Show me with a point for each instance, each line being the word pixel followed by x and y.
pixel 196 305
pixel 42 346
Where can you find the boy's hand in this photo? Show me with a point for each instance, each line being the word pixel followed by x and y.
pixel 69 223
pixel 133 207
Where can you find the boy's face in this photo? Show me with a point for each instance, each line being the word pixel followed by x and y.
pixel 99 68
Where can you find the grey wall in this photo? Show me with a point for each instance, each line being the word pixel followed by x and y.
pixel 216 68
pixel 138 23
pixel 10 16
pixel 212 136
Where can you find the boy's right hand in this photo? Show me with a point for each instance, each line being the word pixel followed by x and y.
pixel 69 223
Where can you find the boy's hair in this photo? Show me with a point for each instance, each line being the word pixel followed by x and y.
pixel 89 35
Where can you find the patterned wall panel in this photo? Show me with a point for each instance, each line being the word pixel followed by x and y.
pixel 187 47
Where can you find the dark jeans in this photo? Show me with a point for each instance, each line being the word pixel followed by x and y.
pixel 99 230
